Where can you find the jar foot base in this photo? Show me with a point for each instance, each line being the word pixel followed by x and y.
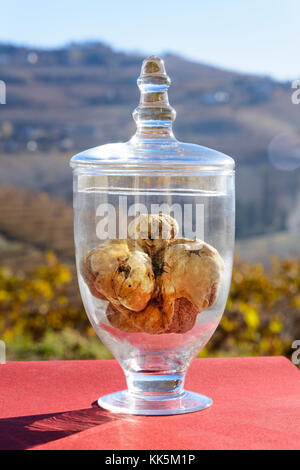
pixel 126 402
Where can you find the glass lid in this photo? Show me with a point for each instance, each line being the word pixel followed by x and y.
pixel 154 142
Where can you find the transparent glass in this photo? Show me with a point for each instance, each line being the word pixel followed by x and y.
pixel 182 279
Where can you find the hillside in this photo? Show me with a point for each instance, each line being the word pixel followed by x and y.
pixel 64 100
pixel 40 221
pixel 85 93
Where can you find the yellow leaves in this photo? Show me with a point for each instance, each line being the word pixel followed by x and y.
pixel 262 307
pixel 203 353
pixel 62 300
pixel 252 318
pixel 277 346
pixel 39 287
pixel 275 326
pixel 63 275
pixel 264 345
pixel 4 295
pixel 56 321
pixel 54 272
pixel 227 324
pixel 8 335
pixel 250 315
pixel 297 301
pixel 5 273
pixel 33 302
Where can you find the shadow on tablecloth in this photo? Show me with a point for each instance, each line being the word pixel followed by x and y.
pixel 24 432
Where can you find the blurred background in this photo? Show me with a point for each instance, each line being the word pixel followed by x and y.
pixel 68 75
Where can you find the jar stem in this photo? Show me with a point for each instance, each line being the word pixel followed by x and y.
pixel 149 385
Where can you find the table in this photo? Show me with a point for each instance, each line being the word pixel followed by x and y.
pixel 51 405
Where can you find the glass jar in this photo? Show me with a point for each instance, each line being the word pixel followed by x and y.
pixel 154 238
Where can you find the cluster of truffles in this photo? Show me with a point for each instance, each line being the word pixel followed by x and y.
pixel 154 282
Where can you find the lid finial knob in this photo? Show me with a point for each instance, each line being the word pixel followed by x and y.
pixel 154 115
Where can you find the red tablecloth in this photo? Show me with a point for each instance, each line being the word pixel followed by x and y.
pixel 49 405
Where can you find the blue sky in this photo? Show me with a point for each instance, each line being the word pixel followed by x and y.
pixel 259 36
